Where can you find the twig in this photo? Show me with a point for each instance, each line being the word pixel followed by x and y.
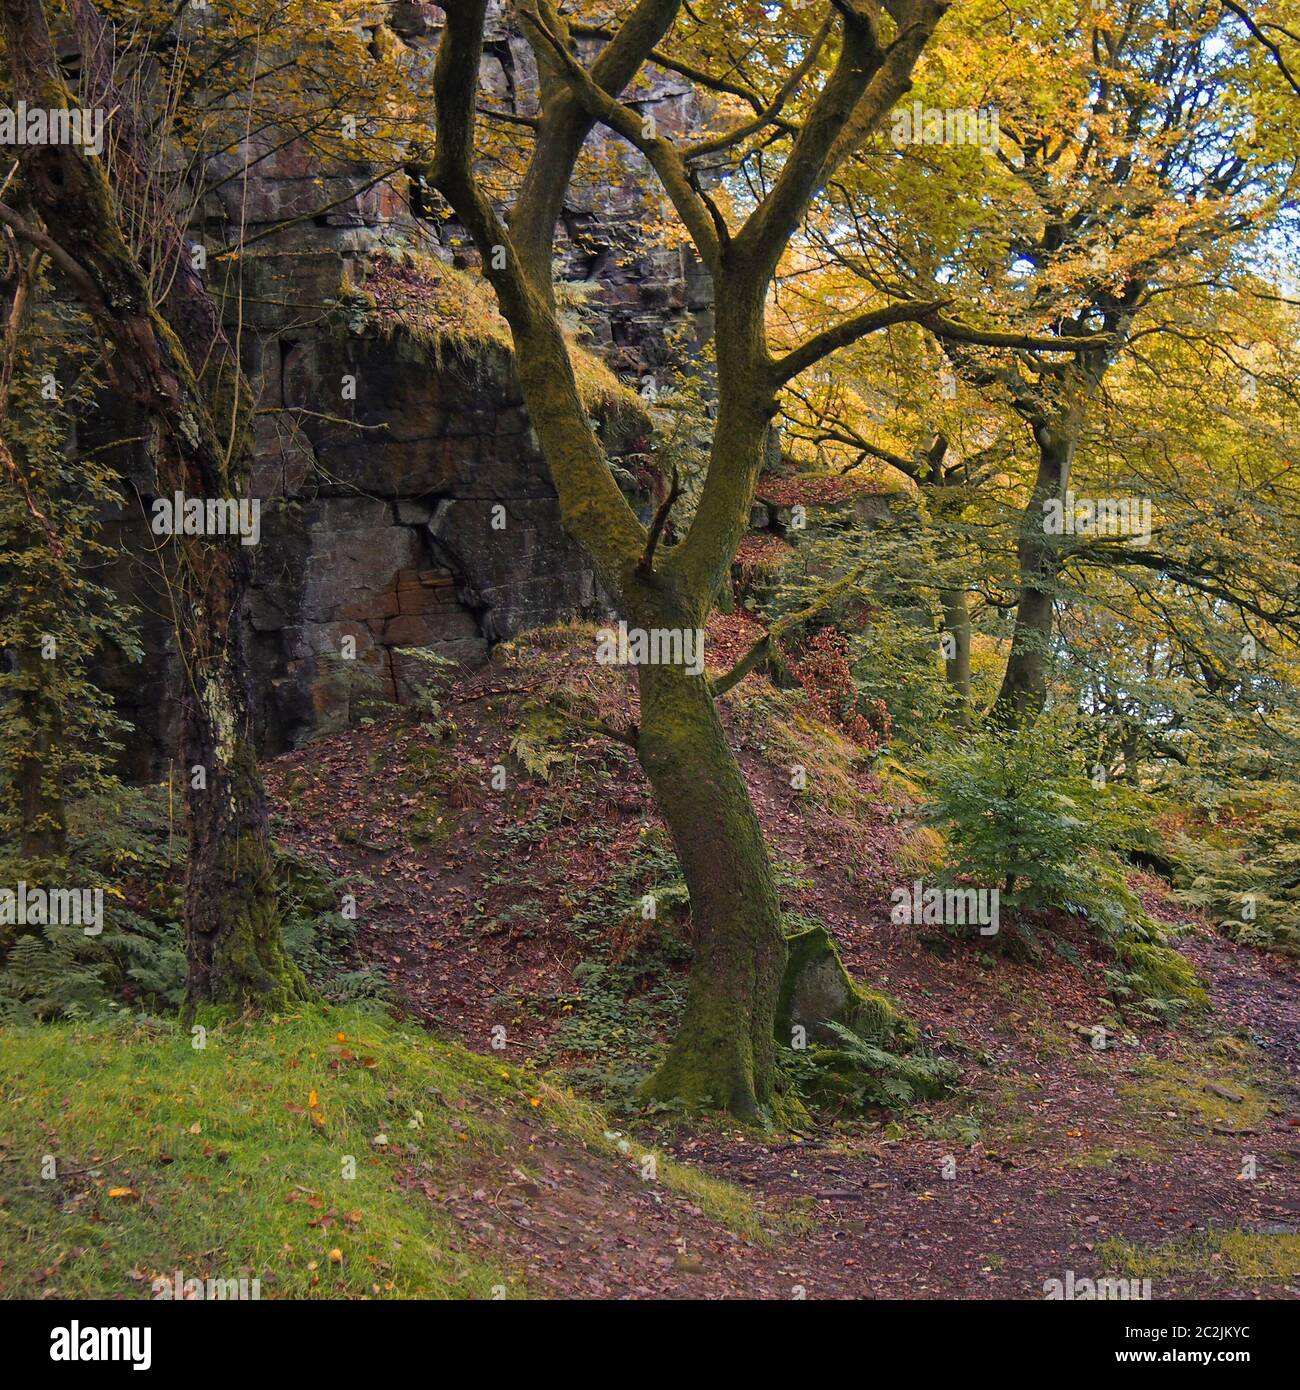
pixel 646 565
pixel 760 649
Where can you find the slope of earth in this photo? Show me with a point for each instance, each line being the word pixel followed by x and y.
pixel 514 883
pixel 328 1154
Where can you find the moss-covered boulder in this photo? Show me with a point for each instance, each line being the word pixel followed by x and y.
pixel 817 991
pixel 862 1052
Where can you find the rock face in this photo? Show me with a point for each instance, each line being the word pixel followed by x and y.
pixel 427 520
pixel 405 501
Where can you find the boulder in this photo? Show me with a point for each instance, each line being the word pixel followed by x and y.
pixel 817 991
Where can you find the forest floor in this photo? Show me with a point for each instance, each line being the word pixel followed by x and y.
pixel 506 918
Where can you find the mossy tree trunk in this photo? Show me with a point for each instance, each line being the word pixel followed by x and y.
pixel 233 949
pixel 725 1051
pixel 1039 555
pixel 232 917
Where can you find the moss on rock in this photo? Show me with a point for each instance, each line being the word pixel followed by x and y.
pixel 858 1040
pixel 817 991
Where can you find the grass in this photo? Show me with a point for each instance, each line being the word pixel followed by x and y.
pixel 721 1201
pixel 1178 1085
pixel 232 1161
pixel 1244 1255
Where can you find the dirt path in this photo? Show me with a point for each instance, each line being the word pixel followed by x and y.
pixel 1058 1158
pixel 1063 1184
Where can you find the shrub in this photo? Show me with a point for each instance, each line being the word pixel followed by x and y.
pixel 1019 814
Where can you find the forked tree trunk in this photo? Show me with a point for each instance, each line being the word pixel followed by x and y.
pixel 724 1053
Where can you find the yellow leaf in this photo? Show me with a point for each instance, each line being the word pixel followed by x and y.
pixel 122 1192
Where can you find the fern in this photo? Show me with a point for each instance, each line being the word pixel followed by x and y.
pixel 532 754
pixel 54 973
pixel 861 1075
pixel 1251 891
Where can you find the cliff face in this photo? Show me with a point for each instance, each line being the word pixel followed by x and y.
pixel 405 502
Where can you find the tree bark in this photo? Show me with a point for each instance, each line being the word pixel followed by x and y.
pixel 956 626
pixel 724 1052
pixel 232 916
pixel 1024 684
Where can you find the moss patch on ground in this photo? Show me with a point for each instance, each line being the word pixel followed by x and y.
pixel 311 1144
pixel 1210 1091
pixel 1251 1256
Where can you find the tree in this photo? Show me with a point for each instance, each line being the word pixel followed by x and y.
pixel 826 93
pixel 232 916
pixel 1143 162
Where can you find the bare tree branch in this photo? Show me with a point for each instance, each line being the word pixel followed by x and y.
pixel 851 330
